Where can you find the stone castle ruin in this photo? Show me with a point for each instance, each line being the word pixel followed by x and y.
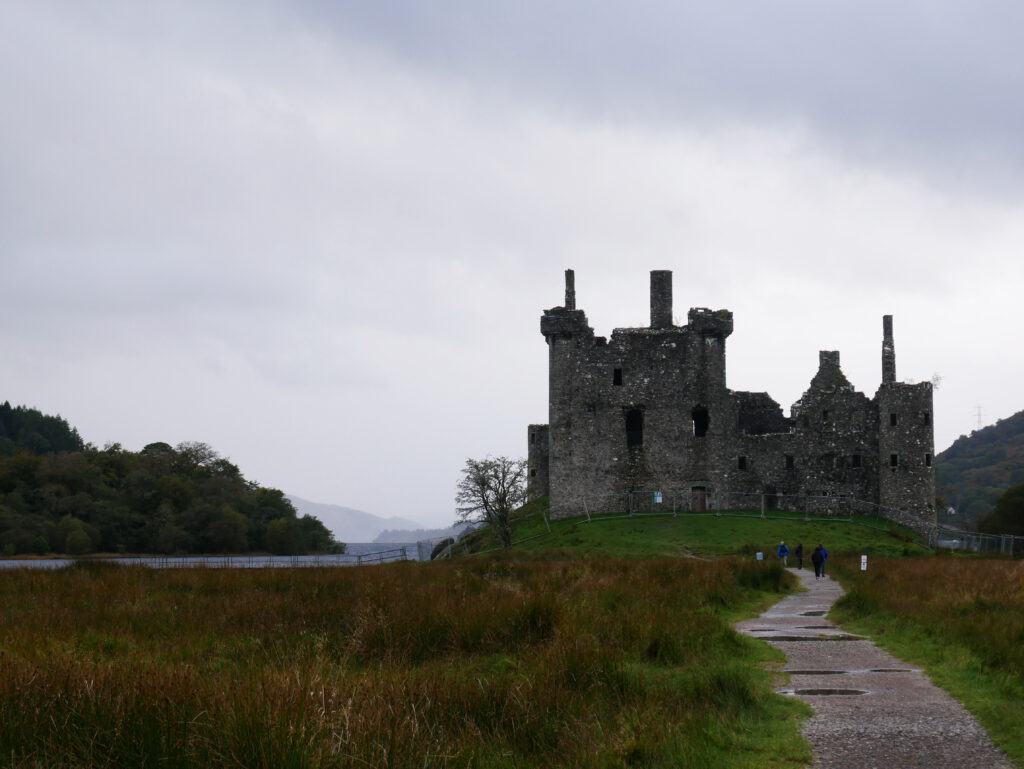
pixel 644 421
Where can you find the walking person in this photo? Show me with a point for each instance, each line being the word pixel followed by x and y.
pixel 783 552
pixel 818 560
pixel 824 557
pixel 799 553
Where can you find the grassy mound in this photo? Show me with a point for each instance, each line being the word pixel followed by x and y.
pixel 706 535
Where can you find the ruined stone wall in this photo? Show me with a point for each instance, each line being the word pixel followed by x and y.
pixel 906 446
pixel 649 410
pixel 538 482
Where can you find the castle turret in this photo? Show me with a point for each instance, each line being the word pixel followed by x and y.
pixel 661 298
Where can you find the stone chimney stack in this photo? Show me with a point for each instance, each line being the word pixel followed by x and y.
pixel 570 290
pixel 661 298
pixel 888 351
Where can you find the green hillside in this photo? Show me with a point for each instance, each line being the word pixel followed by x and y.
pixel 705 535
pixel 972 473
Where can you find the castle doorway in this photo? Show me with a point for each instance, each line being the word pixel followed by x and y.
pixel 698 499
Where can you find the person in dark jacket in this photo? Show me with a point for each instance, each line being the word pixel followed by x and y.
pixel 799 553
pixel 783 552
pixel 818 559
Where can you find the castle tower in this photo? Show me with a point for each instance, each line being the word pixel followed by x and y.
pixel 568 337
pixel 906 439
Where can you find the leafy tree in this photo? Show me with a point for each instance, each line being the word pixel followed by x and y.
pixel 490 489
pixel 227 532
pixel 1008 515
pixel 283 537
pixel 26 428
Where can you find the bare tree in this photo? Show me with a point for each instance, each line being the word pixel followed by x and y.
pixel 490 489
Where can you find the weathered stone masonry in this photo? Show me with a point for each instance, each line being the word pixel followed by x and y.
pixel 649 410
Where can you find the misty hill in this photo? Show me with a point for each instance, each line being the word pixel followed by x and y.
pixel 417 535
pixel 972 473
pixel 351 525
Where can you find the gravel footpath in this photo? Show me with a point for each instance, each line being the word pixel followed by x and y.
pixel 871 710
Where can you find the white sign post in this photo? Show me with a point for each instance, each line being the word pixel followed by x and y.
pixel 760 556
pixel 863 563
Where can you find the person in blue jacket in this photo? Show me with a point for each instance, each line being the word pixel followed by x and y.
pixel 783 552
pixel 818 559
pixel 824 557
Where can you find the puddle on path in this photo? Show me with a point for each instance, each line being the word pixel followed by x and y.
pixel 816 672
pixel 829 692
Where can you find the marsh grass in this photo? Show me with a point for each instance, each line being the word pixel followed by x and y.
pixel 482 663
pixel 961 618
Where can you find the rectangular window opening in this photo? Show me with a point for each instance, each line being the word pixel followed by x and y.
pixel 824 415
pixel 927 460
pixel 742 463
pixel 617 376
pixel 789 461
pixel 894 419
pixel 855 460
pixel 927 418
pixel 894 460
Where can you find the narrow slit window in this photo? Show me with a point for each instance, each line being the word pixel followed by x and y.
pixel 894 460
pixel 789 462
pixel 894 419
pixel 741 463
pixel 824 415
pixel 926 417
pixel 701 421
pixel 927 460
pixel 617 377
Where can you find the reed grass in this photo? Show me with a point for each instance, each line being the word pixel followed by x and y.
pixel 483 663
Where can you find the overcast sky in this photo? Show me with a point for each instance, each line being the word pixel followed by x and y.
pixel 319 235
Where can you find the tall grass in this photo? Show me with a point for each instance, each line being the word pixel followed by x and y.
pixel 961 618
pixel 482 663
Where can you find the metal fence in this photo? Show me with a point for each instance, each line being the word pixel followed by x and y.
pixel 227 561
pixel 972 542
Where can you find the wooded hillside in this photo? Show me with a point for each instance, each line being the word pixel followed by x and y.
pixel 972 473
pixel 60 495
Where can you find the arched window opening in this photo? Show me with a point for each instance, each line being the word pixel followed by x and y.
pixel 701 420
pixel 634 427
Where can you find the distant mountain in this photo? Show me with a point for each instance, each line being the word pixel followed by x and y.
pixel 417 535
pixel 972 473
pixel 350 525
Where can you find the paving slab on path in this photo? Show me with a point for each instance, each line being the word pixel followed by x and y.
pixel 871 710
